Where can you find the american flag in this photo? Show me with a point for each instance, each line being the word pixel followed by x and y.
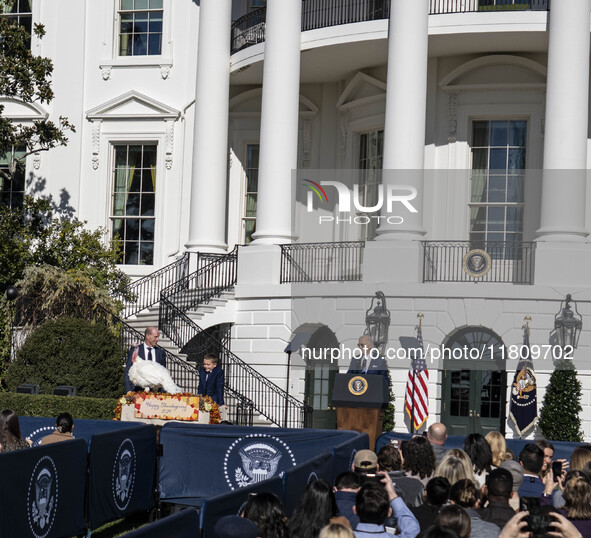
pixel 417 386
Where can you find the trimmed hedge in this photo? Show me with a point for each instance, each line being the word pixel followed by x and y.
pixel 70 351
pixel 46 405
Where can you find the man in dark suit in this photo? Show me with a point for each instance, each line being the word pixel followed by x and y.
pixel 211 379
pixel 370 361
pixel 147 351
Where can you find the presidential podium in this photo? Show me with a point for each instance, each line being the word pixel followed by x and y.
pixel 360 401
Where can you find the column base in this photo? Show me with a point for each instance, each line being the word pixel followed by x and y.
pixel 562 264
pixel 393 261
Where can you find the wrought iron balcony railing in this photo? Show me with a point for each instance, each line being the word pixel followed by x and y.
pixel 510 262
pixel 250 29
pixel 322 262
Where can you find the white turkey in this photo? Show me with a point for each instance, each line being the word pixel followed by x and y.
pixel 151 375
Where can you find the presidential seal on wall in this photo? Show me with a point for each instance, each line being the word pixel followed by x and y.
pixel 476 263
pixel 123 476
pixel 255 458
pixel 42 497
pixel 357 385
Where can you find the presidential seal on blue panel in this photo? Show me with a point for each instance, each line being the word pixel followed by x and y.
pixel 476 263
pixel 357 385
pixel 42 497
pixel 123 477
pixel 255 458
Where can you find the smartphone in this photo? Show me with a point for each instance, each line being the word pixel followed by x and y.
pixel 395 442
pixel 556 469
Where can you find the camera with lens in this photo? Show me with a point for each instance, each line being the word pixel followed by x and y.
pixel 538 520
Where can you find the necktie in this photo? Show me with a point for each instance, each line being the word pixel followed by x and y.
pixel 363 365
pixel 150 354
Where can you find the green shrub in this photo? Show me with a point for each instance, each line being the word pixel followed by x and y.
pixel 45 405
pixel 559 417
pixel 73 352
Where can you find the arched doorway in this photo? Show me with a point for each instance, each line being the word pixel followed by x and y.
pixel 473 397
pixel 320 374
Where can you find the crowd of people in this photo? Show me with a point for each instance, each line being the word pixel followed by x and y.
pixel 419 488
pixel 415 488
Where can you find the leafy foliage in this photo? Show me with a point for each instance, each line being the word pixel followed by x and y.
pixel 46 405
pixel 48 292
pixel 389 412
pixel 38 234
pixel 559 417
pixel 70 351
pixel 27 78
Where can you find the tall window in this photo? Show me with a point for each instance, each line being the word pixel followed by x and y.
pixel 134 196
pixel 497 197
pixel 250 191
pixel 371 154
pixel 140 27
pixel 20 12
pixel 12 185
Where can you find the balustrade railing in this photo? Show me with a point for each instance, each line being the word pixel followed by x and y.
pixel 147 290
pixel 250 29
pixel 267 398
pixel 322 262
pixel 185 375
pixel 508 261
pixel 215 273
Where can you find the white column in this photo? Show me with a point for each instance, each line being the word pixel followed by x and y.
pixel 207 226
pixel 566 129
pixel 279 123
pixel 404 131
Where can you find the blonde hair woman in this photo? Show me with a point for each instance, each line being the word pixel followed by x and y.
pixel 496 441
pixel 455 465
pixel 336 530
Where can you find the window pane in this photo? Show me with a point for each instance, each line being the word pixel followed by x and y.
pixel 496 189
pixel 515 189
pixel 154 44
pixel 498 133
pixel 127 4
pixel 480 133
pixel 498 160
pixel 141 4
pixel 516 159
pixel 155 4
pixel 496 218
pixel 517 133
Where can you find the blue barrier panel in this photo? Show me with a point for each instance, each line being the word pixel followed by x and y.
pixel 295 480
pixel 35 428
pixel 183 524
pixel 205 461
pixel 122 471
pixel 42 492
pixel 233 502
pixel 344 454
pixel 562 449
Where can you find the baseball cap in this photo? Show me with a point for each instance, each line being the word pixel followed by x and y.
pixel 516 470
pixel 365 460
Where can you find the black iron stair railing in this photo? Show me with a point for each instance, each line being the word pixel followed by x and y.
pixel 268 399
pixel 215 274
pixel 147 290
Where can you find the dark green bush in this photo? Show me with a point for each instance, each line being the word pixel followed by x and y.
pixel 45 405
pixel 559 417
pixel 73 352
